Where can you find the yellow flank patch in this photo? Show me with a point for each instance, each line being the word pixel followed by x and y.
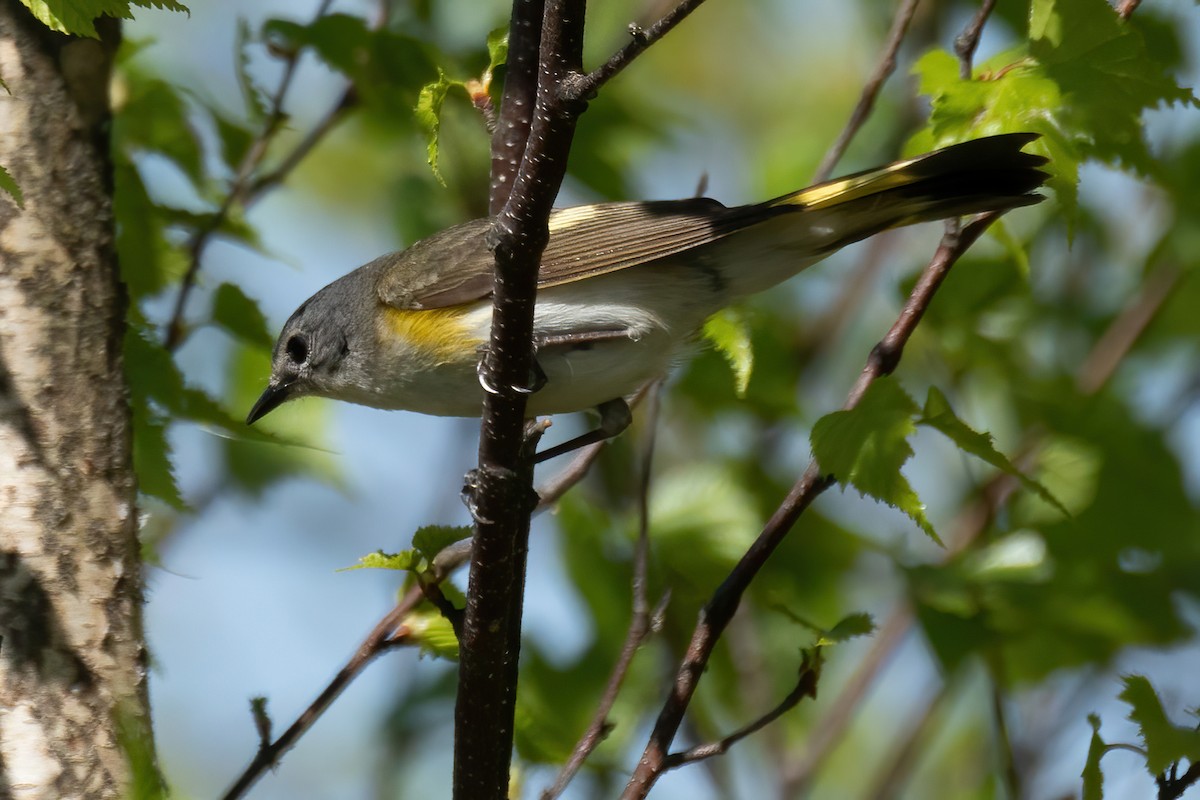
pixel 851 188
pixel 564 218
pixel 440 333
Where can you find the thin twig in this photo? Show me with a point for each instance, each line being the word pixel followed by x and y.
pixel 1125 330
pixel 640 623
pixel 866 101
pixel 724 602
pixel 1008 758
pixel 585 86
pixel 966 43
pixel 1173 786
pixel 389 633
pixel 1126 8
pixel 244 189
pixel 806 686
pixel 893 776
pixel 797 775
pixel 552 490
pixel 267 181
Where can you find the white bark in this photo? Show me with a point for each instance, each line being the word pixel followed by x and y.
pixel 72 662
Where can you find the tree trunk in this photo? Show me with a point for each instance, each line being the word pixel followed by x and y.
pixel 73 700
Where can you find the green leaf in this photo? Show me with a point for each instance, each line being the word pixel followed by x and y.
pixel 849 627
pixel 340 40
pixel 1093 778
pixel 235 137
pixel 9 185
pixel 153 117
pixel 433 632
pixel 148 262
pixel 152 456
pixel 429 116
pixel 402 561
pixel 76 17
pixel 729 333
pixel 1083 81
pixel 1165 742
pixel 429 540
pixel 1015 249
pixel 1106 75
pixel 241 316
pixel 866 446
pixel 252 96
pixel 497 47
pixel 939 416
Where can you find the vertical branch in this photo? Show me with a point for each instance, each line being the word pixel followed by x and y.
pixel 500 490
pixel 518 100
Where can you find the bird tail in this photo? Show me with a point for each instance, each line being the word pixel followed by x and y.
pixel 988 174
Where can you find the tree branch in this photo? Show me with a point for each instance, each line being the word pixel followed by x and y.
pixel 390 632
pixel 500 490
pixel 806 686
pixel 967 42
pixel 1125 10
pixel 585 87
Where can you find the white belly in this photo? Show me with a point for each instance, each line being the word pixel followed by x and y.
pixel 648 316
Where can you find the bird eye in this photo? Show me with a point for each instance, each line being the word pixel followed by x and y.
pixel 297 349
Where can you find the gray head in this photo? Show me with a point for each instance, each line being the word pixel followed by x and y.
pixel 320 349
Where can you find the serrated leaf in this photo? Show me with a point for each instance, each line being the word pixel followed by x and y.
pixel 154 118
pixel 76 17
pixel 941 417
pixel 866 446
pixel 9 185
pixel 1093 778
pixel 729 333
pixel 152 457
pixel 252 96
pixel 1083 81
pixel 429 540
pixel 241 316
pixel 429 116
pixel 235 137
pixel 148 262
pixel 849 627
pixel 1165 742
pixel 402 561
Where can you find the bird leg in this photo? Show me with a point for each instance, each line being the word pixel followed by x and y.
pixel 615 417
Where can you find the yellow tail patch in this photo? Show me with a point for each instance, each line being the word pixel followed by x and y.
pixel 851 187
pixel 441 333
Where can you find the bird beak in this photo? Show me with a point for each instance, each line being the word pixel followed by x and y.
pixel 272 398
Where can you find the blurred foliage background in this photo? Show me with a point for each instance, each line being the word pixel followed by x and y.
pixel 1070 335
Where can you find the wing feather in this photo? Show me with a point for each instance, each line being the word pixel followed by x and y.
pixel 455 266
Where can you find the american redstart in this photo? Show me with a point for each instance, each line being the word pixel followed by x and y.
pixel 622 290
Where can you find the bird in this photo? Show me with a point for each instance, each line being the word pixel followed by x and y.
pixel 623 287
